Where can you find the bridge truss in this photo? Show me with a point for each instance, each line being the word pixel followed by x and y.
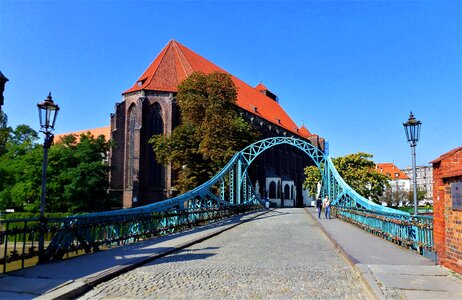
pixel 232 186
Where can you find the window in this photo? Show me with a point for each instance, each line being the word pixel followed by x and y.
pixel 156 127
pixel 272 190
pixel 286 192
pixel 132 114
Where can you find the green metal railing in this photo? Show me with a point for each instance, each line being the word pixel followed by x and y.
pixel 412 232
pixel 76 235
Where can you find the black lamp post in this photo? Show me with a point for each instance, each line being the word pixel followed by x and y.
pixel 48 111
pixel 412 129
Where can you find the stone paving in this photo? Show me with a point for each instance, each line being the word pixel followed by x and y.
pixel 280 255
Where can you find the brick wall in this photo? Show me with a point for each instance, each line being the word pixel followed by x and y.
pixel 447 169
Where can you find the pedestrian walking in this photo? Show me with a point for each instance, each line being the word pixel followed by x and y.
pixel 319 207
pixel 326 205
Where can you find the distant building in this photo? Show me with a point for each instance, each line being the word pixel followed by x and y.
pixel 424 179
pixel 105 131
pixel 3 81
pixel 398 179
pixel 447 209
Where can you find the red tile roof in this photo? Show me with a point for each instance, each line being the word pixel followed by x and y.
pixel 176 62
pixel 445 155
pixel 261 87
pixel 106 131
pixel 303 131
pixel 391 171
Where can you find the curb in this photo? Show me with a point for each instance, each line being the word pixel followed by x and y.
pixel 75 288
pixel 361 269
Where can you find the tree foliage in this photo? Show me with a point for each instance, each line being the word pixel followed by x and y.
pixel 312 177
pixel 358 171
pixel 396 196
pixel 77 173
pixel 210 133
pixel 4 132
pixel 421 194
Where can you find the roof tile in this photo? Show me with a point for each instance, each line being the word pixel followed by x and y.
pixel 390 169
pixel 175 62
pixel 106 131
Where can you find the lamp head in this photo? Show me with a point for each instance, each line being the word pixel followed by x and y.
pixel 48 111
pixel 412 130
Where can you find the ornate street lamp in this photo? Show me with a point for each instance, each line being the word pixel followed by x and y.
pixel 48 111
pixel 412 129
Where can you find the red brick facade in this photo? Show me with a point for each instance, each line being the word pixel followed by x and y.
pixel 447 169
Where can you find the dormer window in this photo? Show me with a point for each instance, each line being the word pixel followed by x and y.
pixel 141 82
pixel 396 175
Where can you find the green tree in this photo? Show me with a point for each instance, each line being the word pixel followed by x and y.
pixel 421 193
pixel 4 132
pixel 77 173
pixel 210 133
pixel 358 172
pixel 312 177
pixel 394 195
pixel 20 167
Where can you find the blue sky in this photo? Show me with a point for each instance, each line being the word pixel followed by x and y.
pixel 351 71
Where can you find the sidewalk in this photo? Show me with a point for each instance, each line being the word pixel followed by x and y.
pixel 391 271
pixel 72 277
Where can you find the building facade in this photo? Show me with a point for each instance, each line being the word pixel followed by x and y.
pixel 149 108
pixel 424 180
pixel 399 183
pixel 3 81
pixel 447 209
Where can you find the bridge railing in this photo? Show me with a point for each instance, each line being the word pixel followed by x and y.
pixel 412 232
pixel 76 235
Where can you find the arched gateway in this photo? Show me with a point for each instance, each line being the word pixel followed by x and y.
pixel 232 186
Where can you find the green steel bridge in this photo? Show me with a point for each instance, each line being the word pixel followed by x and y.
pixel 229 192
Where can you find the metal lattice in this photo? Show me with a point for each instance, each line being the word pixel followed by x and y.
pixel 229 190
pixel 232 186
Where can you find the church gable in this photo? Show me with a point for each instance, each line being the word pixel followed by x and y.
pixel 176 62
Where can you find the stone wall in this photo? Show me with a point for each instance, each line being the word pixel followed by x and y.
pixel 447 170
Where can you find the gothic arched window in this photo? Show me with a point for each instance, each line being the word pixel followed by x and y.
pixel 156 127
pixel 286 192
pixel 272 190
pixel 132 116
pixel 157 122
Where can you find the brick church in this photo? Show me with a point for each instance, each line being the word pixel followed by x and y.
pixel 149 108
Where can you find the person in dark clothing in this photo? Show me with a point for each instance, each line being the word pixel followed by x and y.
pixel 319 207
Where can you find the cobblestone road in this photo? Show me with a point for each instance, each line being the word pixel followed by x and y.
pixel 280 255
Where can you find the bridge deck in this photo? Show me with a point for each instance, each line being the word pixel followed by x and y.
pixel 280 254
